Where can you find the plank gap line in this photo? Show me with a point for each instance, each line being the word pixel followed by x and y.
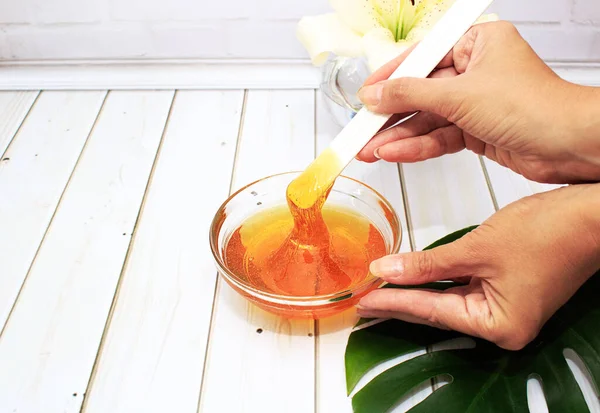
pixel 217 280
pixel 21 125
pixel 113 305
pixel 489 183
pixel 409 228
pixel 54 212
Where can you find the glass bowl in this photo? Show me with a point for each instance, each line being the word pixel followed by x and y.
pixel 270 192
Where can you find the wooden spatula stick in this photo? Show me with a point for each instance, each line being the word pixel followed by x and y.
pixel 310 187
pixel 419 64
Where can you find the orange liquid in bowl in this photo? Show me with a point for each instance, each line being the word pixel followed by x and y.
pixel 267 253
pixel 307 248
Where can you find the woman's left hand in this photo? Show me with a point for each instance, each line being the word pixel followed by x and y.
pixel 523 263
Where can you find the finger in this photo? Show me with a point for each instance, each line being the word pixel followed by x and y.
pixel 444 73
pixel 436 95
pixel 420 124
pixel 473 144
pixel 454 260
pixel 438 142
pixel 430 121
pixel 403 117
pixel 460 55
pixel 399 316
pixel 447 309
pixel 447 61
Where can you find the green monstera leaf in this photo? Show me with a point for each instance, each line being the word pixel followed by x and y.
pixel 482 379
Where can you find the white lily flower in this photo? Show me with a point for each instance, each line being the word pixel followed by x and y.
pixel 378 30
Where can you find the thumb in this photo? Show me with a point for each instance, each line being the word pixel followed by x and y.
pixel 445 262
pixel 410 95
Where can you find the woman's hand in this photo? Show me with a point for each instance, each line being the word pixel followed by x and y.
pixel 524 263
pixel 493 95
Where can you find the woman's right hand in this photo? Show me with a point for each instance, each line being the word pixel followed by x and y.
pixel 494 96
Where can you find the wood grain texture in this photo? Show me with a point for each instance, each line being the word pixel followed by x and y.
pixel 272 371
pixel 50 342
pixel 333 332
pixel 67 218
pixel 446 194
pixel 34 174
pixel 153 353
pixel 14 107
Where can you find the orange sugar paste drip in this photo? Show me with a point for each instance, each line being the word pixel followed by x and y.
pixel 306 248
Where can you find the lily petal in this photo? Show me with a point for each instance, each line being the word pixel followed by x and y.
pixel 380 47
pixel 365 15
pixel 428 13
pixel 324 34
pixel 389 12
pixel 420 30
pixel 359 15
pixel 393 14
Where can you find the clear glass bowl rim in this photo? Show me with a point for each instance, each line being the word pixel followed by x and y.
pixel 312 300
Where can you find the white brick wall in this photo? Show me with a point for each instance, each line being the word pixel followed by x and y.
pixel 586 11
pixel 39 12
pixel 107 29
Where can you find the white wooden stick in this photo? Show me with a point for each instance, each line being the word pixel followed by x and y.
pixel 419 64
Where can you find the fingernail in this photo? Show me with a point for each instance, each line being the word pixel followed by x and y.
pixel 376 153
pixel 363 313
pixel 388 267
pixel 371 95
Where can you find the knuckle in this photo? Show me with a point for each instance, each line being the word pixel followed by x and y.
pixel 506 32
pixel 517 336
pixel 474 244
pixel 395 90
pixel 501 27
pixel 459 102
pixel 463 53
pixel 520 340
pixel 474 145
pixel 441 140
pixel 542 172
pixel 507 27
pixel 472 251
pixel 434 316
pixel 430 121
pixel 528 206
pixel 423 264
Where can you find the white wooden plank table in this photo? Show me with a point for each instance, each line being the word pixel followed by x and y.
pixel 109 300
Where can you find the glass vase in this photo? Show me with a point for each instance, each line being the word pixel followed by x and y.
pixel 341 78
